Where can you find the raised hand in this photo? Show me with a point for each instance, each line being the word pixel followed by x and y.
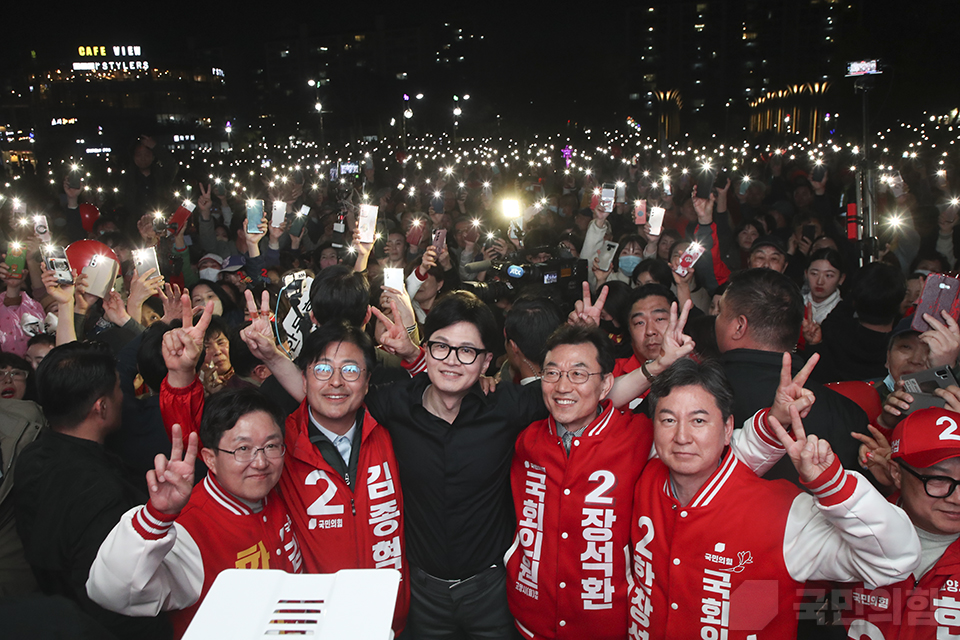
pixel 874 455
pixel 951 396
pixel 204 202
pixel 80 289
pixel 444 259
pixel 703 205
pixel 62 293
pixel 183 347
pixel 943 340
pixel 428 261
pixel 402 301
pixel 171 481
pixel 812 335
pixel 258 335
pixel 114 311
pixel 172 306
pixel 394 338
pixel 142 287
pixel 791 393
pixel 586 312
pixel 599 274
pixel 810 455
pixel 676 344
pixel 147 232
pixel 893 407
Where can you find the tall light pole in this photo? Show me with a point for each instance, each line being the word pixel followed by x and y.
pixel 319 108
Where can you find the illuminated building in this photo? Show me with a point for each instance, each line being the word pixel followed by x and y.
pixel 95 97
pixel 721 56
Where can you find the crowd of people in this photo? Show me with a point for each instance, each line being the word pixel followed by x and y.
pixel 546 420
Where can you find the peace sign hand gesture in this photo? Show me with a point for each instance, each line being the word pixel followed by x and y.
pixel 171 481
pixel 586 312
pixel 258 335
pixel 810 455
pixel 394 338
pixel 182 348
pixel 676 344
pixel 791 392
pixel 204 202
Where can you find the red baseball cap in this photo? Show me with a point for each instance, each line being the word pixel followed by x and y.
pixel 927 437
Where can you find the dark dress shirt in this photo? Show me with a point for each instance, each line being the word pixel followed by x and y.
pixel 458 512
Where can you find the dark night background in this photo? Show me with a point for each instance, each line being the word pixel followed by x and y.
pixel 538 66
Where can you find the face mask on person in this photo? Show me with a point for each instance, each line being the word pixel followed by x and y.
pixel 51 323
pixel 209 274
pixel 627 264
pixel 564 251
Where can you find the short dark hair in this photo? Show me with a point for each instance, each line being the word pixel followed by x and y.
pixel 150 361
pixel 877 292
pixel 529 323
pixel 217 325
pixel 582 334
pixel 686 372
pixel 462 306
pixel 643 292
pixel 242 360
pixel 71 379
pixel 658 269
pixel 772 304
pixel 222 411
pixel 340 293
pixel 42 338
pixel 333 332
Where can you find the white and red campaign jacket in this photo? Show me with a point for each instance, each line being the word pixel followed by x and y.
pixel 925 609
pixel 566 569
pixel 152 562
pixel 731 563
pixel 603 468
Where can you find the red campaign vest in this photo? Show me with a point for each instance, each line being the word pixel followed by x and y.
pixel 910 610
pixel 714 568
pixel 340 528
pixel 566 569
pixel 231 536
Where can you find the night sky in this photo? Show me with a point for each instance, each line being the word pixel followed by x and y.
pixel 556 57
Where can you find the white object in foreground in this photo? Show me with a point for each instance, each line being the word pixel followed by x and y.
pixel 352 603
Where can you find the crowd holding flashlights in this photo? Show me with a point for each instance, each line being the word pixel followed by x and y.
pixel 550 382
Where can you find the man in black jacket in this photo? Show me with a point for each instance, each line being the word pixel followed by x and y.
pixel 70 491
pixel 760 316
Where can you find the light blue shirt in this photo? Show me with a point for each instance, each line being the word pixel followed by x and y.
pixel 344 443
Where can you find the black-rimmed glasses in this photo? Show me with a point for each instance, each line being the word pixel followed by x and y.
pixel 935 486
pixel 466 355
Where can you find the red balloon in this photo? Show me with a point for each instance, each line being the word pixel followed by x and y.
pixel 88 215
pixel 97 261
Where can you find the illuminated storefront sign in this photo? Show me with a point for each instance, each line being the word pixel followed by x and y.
pixel 125 53
pixel 101 52
pixel 112 65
